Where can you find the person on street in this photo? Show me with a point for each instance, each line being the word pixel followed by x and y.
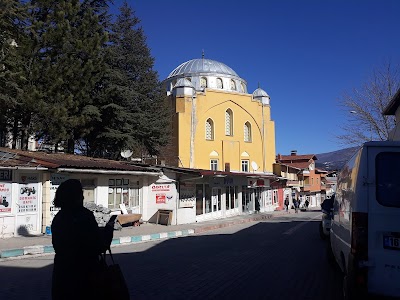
pixel 306 203
pixel 78 242
pixel 287 204
pixel 296 205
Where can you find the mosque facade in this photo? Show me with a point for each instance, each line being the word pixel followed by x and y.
pixel 217 124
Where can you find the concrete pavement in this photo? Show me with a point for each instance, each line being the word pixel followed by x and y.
pixel 41 244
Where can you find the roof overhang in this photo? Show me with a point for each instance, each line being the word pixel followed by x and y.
pixel 98 171
pixel 393 105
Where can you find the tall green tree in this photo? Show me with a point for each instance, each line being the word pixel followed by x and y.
pixel 133 114
pixel 72 65
pixel 11 78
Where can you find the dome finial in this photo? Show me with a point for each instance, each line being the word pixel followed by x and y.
pixel 202 54
pixel 258 84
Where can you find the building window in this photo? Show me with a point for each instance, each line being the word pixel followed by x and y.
pixel 88 186
pixel 243 88
pixel 247 132
pixel 275 197
pixel 232 200
pixel 228 122
pixel 245 165
pixel 203 82
pixel 214 164
pixel 118 193
pixel 209 130
pixel 233 85
pixel 219 83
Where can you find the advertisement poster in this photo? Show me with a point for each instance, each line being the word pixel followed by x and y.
pixel 161 198
pixel 162 192
pixel 5 197
pixel 28 193
pixel 55 181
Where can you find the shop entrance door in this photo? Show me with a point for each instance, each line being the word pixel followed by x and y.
pixel 216 204
pixel 247 200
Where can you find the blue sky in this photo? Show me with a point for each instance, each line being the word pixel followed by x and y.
pixel 304 54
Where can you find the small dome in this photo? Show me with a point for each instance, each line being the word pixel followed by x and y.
pixel 183 82
pixel 202 66
pixel 258 93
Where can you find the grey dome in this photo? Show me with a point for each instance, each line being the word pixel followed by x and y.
pixel 202 66
pixel 260 93
pixel 183 82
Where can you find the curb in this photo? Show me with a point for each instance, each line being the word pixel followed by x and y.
pixel 46 249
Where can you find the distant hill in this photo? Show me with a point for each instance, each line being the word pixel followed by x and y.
pixel 334 160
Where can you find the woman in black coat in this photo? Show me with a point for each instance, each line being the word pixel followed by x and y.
pixel 77 241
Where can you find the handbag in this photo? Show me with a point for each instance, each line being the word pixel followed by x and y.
pixel 111 279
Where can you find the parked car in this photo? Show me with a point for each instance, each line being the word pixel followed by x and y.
pixel 365 233
pixel 327 214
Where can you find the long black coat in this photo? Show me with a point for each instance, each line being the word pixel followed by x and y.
pixel 77 242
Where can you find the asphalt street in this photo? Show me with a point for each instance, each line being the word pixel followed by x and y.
pixel 279 258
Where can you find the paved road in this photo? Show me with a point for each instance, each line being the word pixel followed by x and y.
pixel 281 258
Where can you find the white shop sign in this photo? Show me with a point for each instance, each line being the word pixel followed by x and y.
pixel 28 193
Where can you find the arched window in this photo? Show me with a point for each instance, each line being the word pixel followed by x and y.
pixel 233 85
pixel 228 122
pixel 247 132
pixel 243 88
pixel 203 82
pixel 209 130
pixel 220 85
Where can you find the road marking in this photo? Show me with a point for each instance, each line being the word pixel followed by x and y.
pixel 295 228
pixel 298 226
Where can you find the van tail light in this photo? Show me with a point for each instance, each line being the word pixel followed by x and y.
pixel 359 240
pixel 359 247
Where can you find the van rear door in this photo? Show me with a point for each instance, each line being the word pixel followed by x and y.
pixel 384 220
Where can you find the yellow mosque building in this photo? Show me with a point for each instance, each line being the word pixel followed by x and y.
pixel 217 124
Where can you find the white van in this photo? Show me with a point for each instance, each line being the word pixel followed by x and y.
pixel 365 230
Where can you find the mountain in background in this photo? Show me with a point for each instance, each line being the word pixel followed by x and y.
pixel 334 160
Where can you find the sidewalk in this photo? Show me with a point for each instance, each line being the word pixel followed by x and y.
pixel 31 245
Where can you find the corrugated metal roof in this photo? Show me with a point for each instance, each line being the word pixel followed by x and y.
pixel 15 158
pixel 285 158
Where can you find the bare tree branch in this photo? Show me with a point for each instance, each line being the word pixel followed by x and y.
pixel 365 105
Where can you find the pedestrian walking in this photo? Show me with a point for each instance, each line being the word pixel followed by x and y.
pixel 296 205
pixel 306 203
pixel 77 242
pixel 287 204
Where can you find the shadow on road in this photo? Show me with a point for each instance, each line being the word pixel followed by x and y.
pixel 269 260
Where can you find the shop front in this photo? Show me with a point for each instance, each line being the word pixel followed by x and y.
pixel 219 196
pixel 20 202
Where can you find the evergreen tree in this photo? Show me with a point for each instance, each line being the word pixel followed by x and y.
pixel 15 110
pixel 133 115
pixel 71 50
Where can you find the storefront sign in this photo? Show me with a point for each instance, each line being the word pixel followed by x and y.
pixel 161 198
pixel 5 175
pixel 5 197
pixel 28 193
pixel 187 194
pixel 162 192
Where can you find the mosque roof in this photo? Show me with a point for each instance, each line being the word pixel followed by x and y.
pixel 260 93
pixel 202 66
